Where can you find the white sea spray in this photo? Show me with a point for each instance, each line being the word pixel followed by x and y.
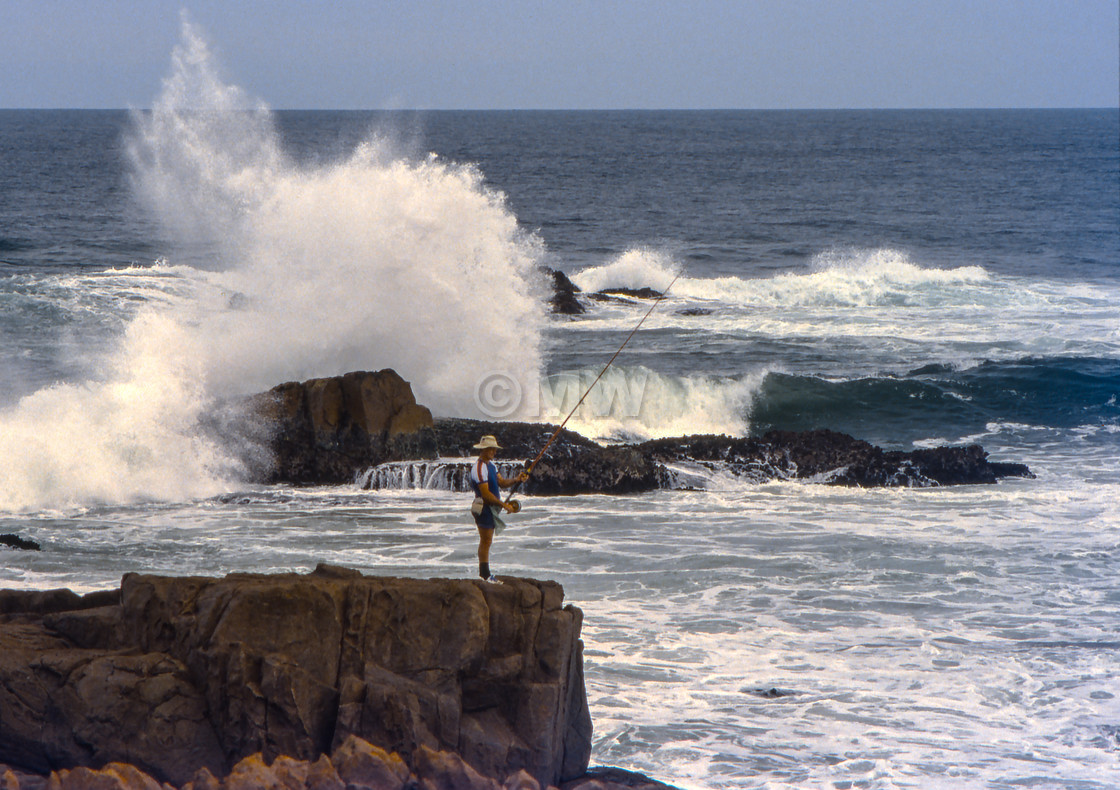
pixel 288 272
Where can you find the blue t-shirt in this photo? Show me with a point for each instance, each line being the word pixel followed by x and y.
pixel 485 473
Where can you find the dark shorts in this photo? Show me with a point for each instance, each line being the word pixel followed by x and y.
pixel 485 519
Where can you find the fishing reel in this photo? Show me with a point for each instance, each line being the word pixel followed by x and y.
pixel 513 503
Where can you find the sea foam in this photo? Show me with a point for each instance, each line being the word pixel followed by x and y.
pixel 374 261
pixel 638 267
pixel 634 403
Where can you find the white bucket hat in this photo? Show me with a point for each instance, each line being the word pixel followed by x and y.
pixel 486 442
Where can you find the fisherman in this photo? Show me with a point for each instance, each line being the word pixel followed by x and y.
pixel 486 484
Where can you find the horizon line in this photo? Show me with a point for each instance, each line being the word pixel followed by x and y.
pixel 592 109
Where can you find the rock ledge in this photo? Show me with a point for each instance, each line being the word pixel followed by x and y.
pixel 178 675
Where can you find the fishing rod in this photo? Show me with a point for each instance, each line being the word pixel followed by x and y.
pixel 533 463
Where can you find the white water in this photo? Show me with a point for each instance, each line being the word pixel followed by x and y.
pixel 882 311
pixel 936 638
pixel 960 638
pixel 442 474
pixel 635 403
pixel 371 262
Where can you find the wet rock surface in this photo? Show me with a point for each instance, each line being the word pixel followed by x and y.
pixel 832 458
pixel 321 431
pixel 564 300
pixel 575 465
pixel 333 430
pixel 624 294
pixel 177 676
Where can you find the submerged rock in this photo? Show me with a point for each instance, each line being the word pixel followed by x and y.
pixel 174 675
pixel 770 693
pixel 633 293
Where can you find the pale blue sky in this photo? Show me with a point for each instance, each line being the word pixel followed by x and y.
pixel 573 54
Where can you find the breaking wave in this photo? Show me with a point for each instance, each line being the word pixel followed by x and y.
pixel 635 403
pixel 851 278
pixel 369 262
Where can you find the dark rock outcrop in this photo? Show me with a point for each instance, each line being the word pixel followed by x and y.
pixel 16 542
pixel 334 430
pixel 573 465
pixel 174 675
pixel 614 779
pixel 564 300
pixel 608 294
pixel 322 431
pixel 832 458
pixel 576 465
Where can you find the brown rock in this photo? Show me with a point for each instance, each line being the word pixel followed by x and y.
pixel 115 776
pixel 265 650
pixel 324 405
pixel 521 781
pixel 364 766
pixel 48 601
pixel 447 771
pixel 411 418
pixel 191 672
pixel 203 780
pixel 253 773
pixel 68 706
pixel 327 430
pixel 291 773
pixel 331 430
pixel 321 775
pixel 13 779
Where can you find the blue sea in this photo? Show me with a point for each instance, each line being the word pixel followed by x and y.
pixel 914 278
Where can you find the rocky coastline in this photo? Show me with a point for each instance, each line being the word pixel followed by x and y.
pixel 341 681
pixel 332 430
pixel 576 465
pixel 325 680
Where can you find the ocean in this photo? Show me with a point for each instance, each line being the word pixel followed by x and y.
pixel 914 278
